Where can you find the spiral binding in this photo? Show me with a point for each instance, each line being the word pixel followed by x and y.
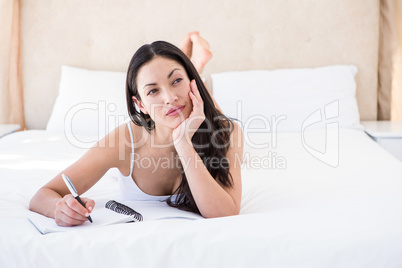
pixel 123 209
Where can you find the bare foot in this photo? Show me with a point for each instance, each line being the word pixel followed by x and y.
pixel 200 53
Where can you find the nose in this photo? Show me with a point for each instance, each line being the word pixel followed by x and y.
pixel 170 96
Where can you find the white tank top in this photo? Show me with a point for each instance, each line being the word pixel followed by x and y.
pixel 129 189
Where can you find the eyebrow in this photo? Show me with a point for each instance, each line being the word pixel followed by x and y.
pixel 169 75
pixel 150 84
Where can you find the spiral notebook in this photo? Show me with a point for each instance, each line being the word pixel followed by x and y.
pixel 107 212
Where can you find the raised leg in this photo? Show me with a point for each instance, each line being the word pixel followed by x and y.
pixel 196 49
pixel 200 53
pixel 186 45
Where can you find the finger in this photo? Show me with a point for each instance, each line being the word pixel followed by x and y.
pixel 195 90
pixel 197 100
pixel 193 86
pixel 63 219
pixel 70 206
pixel 198 103
pixel 89 203
pixel 65 216
pixel 192 96
pixel 195 94
pixel 76 206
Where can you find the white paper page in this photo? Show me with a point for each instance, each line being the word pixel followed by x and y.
pixel 101 216
pixel 155 210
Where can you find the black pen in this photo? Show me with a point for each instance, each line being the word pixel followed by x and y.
pixel 73 191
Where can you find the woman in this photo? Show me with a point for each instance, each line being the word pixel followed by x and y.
pixel 174 118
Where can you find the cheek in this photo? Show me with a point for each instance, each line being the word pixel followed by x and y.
pixel 155 109
pixel 186 99
pixel 150 107
pixel 186 94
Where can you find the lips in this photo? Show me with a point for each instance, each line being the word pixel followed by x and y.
pixel 175 110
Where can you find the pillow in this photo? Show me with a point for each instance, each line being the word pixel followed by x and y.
pixel 90 103
pixel 290 100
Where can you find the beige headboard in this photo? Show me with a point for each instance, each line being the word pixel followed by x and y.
pixel 252 34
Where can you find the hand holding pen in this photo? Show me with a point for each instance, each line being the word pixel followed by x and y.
pixel 71 209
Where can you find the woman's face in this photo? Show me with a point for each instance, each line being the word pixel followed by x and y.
pixel 164 87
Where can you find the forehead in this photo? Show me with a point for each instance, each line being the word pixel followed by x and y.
pixel 155 69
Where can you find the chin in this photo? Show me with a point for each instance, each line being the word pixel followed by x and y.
pixel 178 120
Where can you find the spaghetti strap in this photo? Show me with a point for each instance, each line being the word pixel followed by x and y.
pixel 129 189
pixel 132 148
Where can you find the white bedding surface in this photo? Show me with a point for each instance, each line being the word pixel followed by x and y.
pixel 308 214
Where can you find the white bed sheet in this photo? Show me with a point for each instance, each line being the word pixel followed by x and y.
pixel 308 214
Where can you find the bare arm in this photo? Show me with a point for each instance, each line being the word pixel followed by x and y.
pixel 213 199
pixel 55 201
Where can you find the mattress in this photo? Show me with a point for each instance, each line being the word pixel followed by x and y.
pixel 322 198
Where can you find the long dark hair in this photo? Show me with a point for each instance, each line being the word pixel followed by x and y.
pixel 211 141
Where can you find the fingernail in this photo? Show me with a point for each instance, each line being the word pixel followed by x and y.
pixel 86 214
pixel 90 208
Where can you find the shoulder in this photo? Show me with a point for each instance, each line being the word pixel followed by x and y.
pixel 120 139
pixel 127 134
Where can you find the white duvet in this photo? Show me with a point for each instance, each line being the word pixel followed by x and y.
pixel 306 203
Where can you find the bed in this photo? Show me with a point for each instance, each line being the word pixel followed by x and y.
pixel 317 191
pixel 307 215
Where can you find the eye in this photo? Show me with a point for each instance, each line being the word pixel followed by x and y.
pixel 177 80
pixel 152 91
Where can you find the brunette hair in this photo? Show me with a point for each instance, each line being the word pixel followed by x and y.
pixel 211 141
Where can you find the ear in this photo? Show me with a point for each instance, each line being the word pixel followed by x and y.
pixel 140 105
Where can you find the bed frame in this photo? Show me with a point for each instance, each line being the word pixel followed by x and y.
pixel 244 35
